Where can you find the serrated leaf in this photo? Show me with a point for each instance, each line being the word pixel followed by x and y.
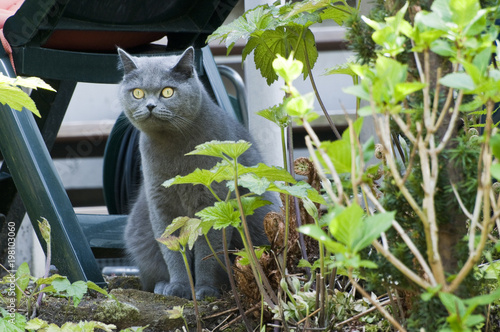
pixel 276 114
pixel 199 176
pixel 36 324
pixel 76 291
pixel 220 149
pixel 250 204
pixel 274 173
pixel 256 185
pixel 221 215
pixel 30 83
pixel 250 22
pixel 339 13
pixel 17 99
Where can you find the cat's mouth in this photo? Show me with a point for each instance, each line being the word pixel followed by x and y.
pixel 155 113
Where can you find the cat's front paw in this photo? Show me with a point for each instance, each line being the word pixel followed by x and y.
pixel 173 289
pixel 206 291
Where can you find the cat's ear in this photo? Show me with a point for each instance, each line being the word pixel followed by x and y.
pixel 185 64
pixel 126 61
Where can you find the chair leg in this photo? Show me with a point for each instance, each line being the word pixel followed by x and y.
pixel 42 192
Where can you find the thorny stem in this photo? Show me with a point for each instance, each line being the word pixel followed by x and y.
pixel 377 304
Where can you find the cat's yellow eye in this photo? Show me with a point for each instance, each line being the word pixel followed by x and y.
pixel 138 94
pixel 167 92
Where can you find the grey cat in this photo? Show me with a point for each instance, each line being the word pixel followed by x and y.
pixel 164 98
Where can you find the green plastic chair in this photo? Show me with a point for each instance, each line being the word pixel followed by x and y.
pixel 70 41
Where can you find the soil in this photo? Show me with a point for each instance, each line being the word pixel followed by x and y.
pixel 137 308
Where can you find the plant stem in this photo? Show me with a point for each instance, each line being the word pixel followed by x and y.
pixel 214 253
pixel 193 293
pixel 320 101
pixel 232 283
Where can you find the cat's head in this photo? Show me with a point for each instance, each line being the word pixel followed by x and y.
pixel 160 94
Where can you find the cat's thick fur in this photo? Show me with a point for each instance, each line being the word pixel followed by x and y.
pixel 170 128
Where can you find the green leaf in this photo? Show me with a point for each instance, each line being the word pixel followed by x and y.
pixel 339 13
pixel 44 227
pixel 347 226
pixel 402 90
pixel 250 204
pixel 311 208
pixel 340 154
pixel 273 173
pixel 483 299
pixel 458 81
pixel 301 190
pixel 452 303
pixel 221 148
pixel 76 291
pixel 245 260
pixel 6 324
pixel 463 11
pixel 36 324
pixel 221 215
pixel 176 312
pixel 443 48
pixel 199 176
pixel 257 185
pixel 23 276
pixel 344 68
pixel 288 69
pixel 317 233
pixel 250 22
pixel 276 114
pixel 372 227
pixel 301 105
pixel 17 99
pixel 495 145
pixel 357 90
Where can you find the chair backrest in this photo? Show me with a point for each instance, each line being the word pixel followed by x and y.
pixel 53 23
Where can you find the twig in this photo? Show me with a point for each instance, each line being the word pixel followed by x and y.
pixel 361 314
pixel 328 162
pixel 252 309
pixel 380 308
pixel 222 313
